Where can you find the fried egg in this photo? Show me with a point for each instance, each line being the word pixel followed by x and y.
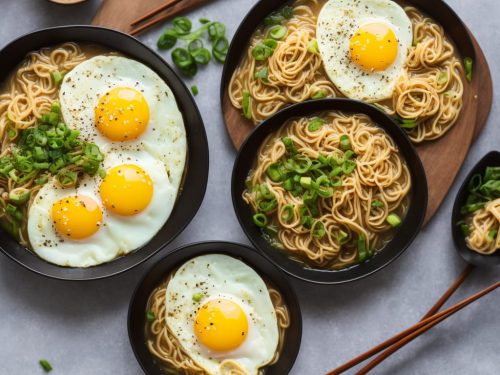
pixel 220 311
pixel 121 104
pixel 97 221
pixel 364 45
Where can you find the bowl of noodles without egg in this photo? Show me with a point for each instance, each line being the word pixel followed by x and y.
pixel 481 221
pixel 193 185
pixel 326 241
pixel 158 273
pixel 424 104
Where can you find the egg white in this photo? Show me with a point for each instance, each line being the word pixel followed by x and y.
pixel 165 135
pixel 132 232
pixel 221 276
pixel 337 22
pixel 50 246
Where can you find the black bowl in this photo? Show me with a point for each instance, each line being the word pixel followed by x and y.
pixel 437 9
pixel 405 233
pixel 491 159
pixel 157 273
pixel 196 174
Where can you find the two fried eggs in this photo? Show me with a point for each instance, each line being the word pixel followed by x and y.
pixel 131 114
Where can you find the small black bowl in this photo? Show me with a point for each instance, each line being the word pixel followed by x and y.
pixel 405 233
pixel 491 159
pixel 159 271
pixel 196 173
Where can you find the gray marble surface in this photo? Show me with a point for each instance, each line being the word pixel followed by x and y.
pixel 81 327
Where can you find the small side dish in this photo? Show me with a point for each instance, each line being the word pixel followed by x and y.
pixel 481 212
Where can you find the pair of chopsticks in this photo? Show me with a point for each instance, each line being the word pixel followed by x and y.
pixel 169 9
pixel 429 320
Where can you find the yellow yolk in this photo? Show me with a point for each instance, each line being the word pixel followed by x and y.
pixel 126 190
pixel 76 217
pixel 221 325
pixel 122 114
pixel 374 47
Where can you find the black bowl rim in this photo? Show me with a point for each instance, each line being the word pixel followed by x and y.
pixel 492 158
pixel 214 243
pixel 420 213
pixel 203 139
pixel 233 46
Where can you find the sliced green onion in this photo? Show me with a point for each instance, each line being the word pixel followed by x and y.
pixel 345 142
pixel 194 90
pixel 377 204
pixel 288 185
pixel 167 40
pixel 268 206
pixel 312 46
pixel 465 229
pixel 201 56
pixel 195 45
pixel 408 123
pixel 320 94
pixel 318 230
pixel 182 25
pixel 57 77
pixel 260 220
pixel 287 213
pixel 468 68
pixel 274 172
pixel 204 20
pixel 45 365
pixel 12 133
pixel 247 105
pixel 197 297
pixel 220 48
pixel 316 124
pixel 442 78
pixel 41 180
pixel 362 252
pixel 277 32
pixel 216 31
pixel 19 196
pixel 262 74
pixel 306 182
pixel 342 237
pixel 394 220
pixel 492 234
pixel 289 145
pixel 150 316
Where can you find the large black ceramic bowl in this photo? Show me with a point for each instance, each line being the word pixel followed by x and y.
pixel 196 173
pixel 492 159
pixel 158 272
pixel 404 234
pixel 437 9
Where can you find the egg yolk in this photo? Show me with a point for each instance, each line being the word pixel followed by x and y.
pixel 76 217
pixel 122 114
pixel 374 47
pixel 221 325
pixel 126 190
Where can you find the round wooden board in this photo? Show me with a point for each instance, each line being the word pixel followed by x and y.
pixel 443 158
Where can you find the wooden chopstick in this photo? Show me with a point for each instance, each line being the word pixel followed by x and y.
pixel 415 330
pixel 154 12
pixel 433 310
pixel 170 11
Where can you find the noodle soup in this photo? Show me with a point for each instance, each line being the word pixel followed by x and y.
pixel 283 65
pixel 174 328
pixel 330 191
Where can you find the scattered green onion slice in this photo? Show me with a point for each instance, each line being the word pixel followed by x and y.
pixel 345 143
pixel 320 94
pixel 19 195
pixel 318 230
pixel 442 78
pixel 465 229
pixel 287 213
pixel 468 68
pixel 57 77
pixel 362 252
pixel 262 74
pixel 201 56
pixel 47 367
pixel 247 105
pixel 167 40
pixel 312 46
pixel 182 25
pixel 277 32
pixel 394 220
pixel 216 30
pixel 150 316
pixel 220 48
pixel 197 297
pixel 377 204
pixel 316 124
pixel 260 220
pixel 492 234
pixel 194 90
pixel 342 237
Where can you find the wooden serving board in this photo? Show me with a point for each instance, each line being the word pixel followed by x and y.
pixel 443 158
